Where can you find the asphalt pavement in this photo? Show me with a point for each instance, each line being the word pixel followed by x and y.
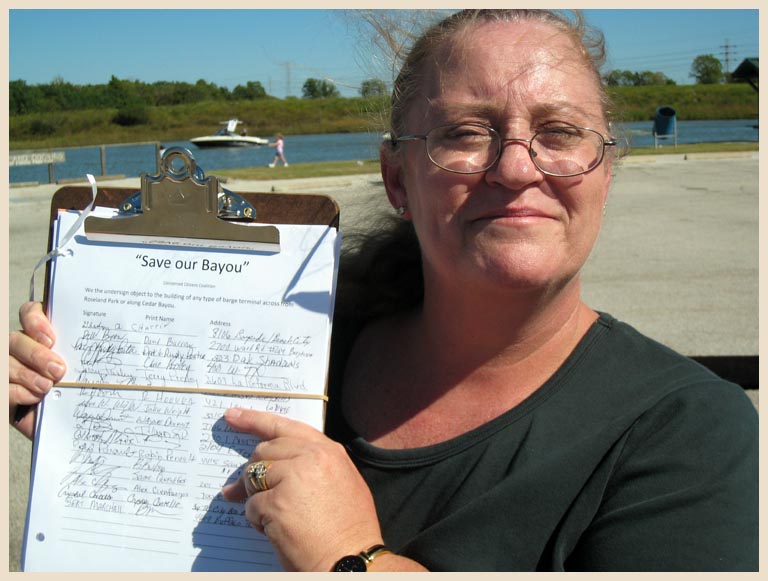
pixel 677 258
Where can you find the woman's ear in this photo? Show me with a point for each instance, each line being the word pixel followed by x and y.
pixel 392 175
pixel 607 186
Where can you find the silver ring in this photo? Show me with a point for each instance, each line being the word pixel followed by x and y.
pixel 257 474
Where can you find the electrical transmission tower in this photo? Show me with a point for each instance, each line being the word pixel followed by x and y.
pixel 728 53
pixel 287 65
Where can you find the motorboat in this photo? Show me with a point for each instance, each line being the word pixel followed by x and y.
pixel 228 137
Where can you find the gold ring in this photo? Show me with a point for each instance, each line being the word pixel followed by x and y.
pixel 257 474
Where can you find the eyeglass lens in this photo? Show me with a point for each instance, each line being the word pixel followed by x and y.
pixel 560 151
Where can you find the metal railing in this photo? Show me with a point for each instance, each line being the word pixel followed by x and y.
pixel 52 156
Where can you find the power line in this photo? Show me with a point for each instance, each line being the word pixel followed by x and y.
pixel 683 54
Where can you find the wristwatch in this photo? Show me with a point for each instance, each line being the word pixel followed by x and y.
pixel 359 563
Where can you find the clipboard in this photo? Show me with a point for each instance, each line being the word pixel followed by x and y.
pixel 138 499
pixel 262 208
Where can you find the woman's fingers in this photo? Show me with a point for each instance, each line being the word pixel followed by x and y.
pixel 268 426
pixel 25 389
pixel 35 324
pixel 21 409
pixel 265 426
pixel 282 439
pixel 35 364
pixel 32 367
pixel 272 456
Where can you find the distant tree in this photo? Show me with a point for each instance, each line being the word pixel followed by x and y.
pixel 120 92
pixel 646 78
pixel 619 78
pixel 60 95
pixel 23 98
pixel 318 89
pixel 373 88
pixel 129 96
pixel 253 90
pixel 205 91
pixel 164 93
pixel 707 69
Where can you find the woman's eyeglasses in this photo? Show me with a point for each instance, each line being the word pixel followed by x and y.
pixel 467 148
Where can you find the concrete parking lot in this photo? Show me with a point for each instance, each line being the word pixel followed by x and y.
pixel 677 258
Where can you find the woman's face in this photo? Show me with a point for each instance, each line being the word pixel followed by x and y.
pixel 511 226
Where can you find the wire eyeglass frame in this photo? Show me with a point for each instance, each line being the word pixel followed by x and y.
pixel 501 141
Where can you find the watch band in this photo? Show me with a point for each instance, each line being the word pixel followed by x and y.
pixel 374 552
pixel 359 563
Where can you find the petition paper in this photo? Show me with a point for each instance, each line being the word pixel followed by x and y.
pixel 129 479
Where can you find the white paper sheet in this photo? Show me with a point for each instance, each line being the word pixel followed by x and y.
pixel 129 479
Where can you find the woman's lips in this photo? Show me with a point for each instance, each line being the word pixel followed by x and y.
pixel 516 215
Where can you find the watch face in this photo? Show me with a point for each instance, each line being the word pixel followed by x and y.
pixel 351 564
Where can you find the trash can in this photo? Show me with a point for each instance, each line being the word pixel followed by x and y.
pixel 664 125
pixel 664 121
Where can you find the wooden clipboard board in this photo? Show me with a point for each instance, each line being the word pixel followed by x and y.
pixel 220 538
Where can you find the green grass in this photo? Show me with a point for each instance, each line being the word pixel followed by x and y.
pixel 691 102
pixel 669 148
pixel 300 170
pixel 263 117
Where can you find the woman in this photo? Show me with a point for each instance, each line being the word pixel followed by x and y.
pixel 482 416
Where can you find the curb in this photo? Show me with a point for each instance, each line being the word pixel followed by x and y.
pixel 676 157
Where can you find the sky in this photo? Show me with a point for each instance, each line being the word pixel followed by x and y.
pixel 282 48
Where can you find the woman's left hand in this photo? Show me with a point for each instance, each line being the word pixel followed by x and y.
pixel 317 508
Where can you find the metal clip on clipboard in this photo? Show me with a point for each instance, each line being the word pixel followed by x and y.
pixel 181 203
pixel 266 208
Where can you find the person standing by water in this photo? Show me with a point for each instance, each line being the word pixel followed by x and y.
pixel 278 144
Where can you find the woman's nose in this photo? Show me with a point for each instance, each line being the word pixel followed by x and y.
pixel 515 167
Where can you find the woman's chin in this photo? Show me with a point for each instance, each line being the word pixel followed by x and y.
pixel 518 270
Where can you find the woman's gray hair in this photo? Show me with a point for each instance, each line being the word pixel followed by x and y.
pixel 414 52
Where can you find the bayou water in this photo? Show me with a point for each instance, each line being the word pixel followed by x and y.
pixel 133 160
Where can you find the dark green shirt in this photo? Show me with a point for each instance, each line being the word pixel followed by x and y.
pixel 630 457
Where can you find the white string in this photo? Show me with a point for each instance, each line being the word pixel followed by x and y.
pixel 66 238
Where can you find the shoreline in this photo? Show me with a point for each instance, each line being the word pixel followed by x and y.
pixel 679 154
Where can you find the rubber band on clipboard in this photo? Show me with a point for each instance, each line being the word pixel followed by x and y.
pixel 64 239
pixel 204 390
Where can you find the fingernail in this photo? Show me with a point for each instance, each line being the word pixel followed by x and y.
pixel 45 340
pixel 55 370
pixel 233 413
pixel 43 383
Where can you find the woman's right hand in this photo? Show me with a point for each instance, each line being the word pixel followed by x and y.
pixel 33 366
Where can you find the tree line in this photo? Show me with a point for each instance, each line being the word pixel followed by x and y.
pixel 132 98
pixel 706 69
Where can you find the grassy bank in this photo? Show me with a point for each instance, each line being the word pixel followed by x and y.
pixel 265 117
pixel 691 102
pixel 300 170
